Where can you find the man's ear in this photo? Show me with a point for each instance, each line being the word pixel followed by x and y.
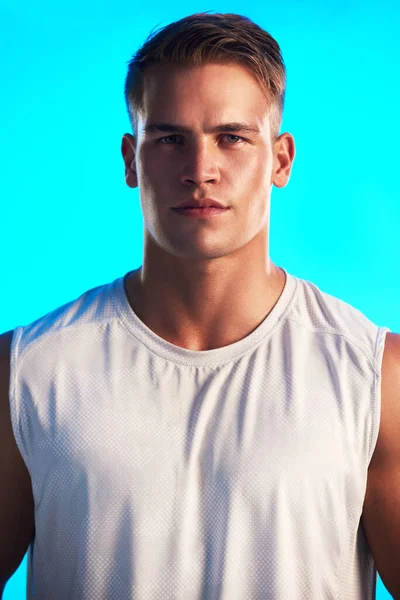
pixel 128 149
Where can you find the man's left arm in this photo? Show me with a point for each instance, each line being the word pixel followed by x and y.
pixel 381 510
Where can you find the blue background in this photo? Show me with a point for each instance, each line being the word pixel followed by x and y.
pixel 70 223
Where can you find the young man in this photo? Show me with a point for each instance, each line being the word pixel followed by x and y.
pixel 207 425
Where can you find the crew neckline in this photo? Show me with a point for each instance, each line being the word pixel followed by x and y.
pixel 216 356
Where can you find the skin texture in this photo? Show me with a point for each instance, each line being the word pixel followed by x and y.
pixel 205 283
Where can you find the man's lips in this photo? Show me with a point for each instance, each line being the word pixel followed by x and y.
pixel 205 203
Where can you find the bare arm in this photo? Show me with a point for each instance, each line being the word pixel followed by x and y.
pixel 17 524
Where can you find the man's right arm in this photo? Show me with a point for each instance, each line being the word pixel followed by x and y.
pixel 17 522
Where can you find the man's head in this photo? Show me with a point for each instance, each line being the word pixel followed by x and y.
pixel 204 71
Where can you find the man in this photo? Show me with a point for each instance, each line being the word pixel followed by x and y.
pixel 203 426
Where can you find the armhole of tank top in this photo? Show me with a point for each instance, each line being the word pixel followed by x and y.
pixel 16 410
pixel 376 400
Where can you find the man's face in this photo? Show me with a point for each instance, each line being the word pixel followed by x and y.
pixel 234 168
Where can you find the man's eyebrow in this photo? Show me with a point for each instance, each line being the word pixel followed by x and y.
pixel 231 127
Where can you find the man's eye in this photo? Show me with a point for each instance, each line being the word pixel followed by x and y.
pixel 167 138
pixel 175 136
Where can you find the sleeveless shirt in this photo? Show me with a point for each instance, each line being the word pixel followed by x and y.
pixel 162 473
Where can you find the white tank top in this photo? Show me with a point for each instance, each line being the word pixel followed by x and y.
pixel 161 473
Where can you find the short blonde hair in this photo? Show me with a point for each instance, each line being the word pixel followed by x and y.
pixel 202 38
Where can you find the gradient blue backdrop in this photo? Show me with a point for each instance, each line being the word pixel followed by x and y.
pixel 70 223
